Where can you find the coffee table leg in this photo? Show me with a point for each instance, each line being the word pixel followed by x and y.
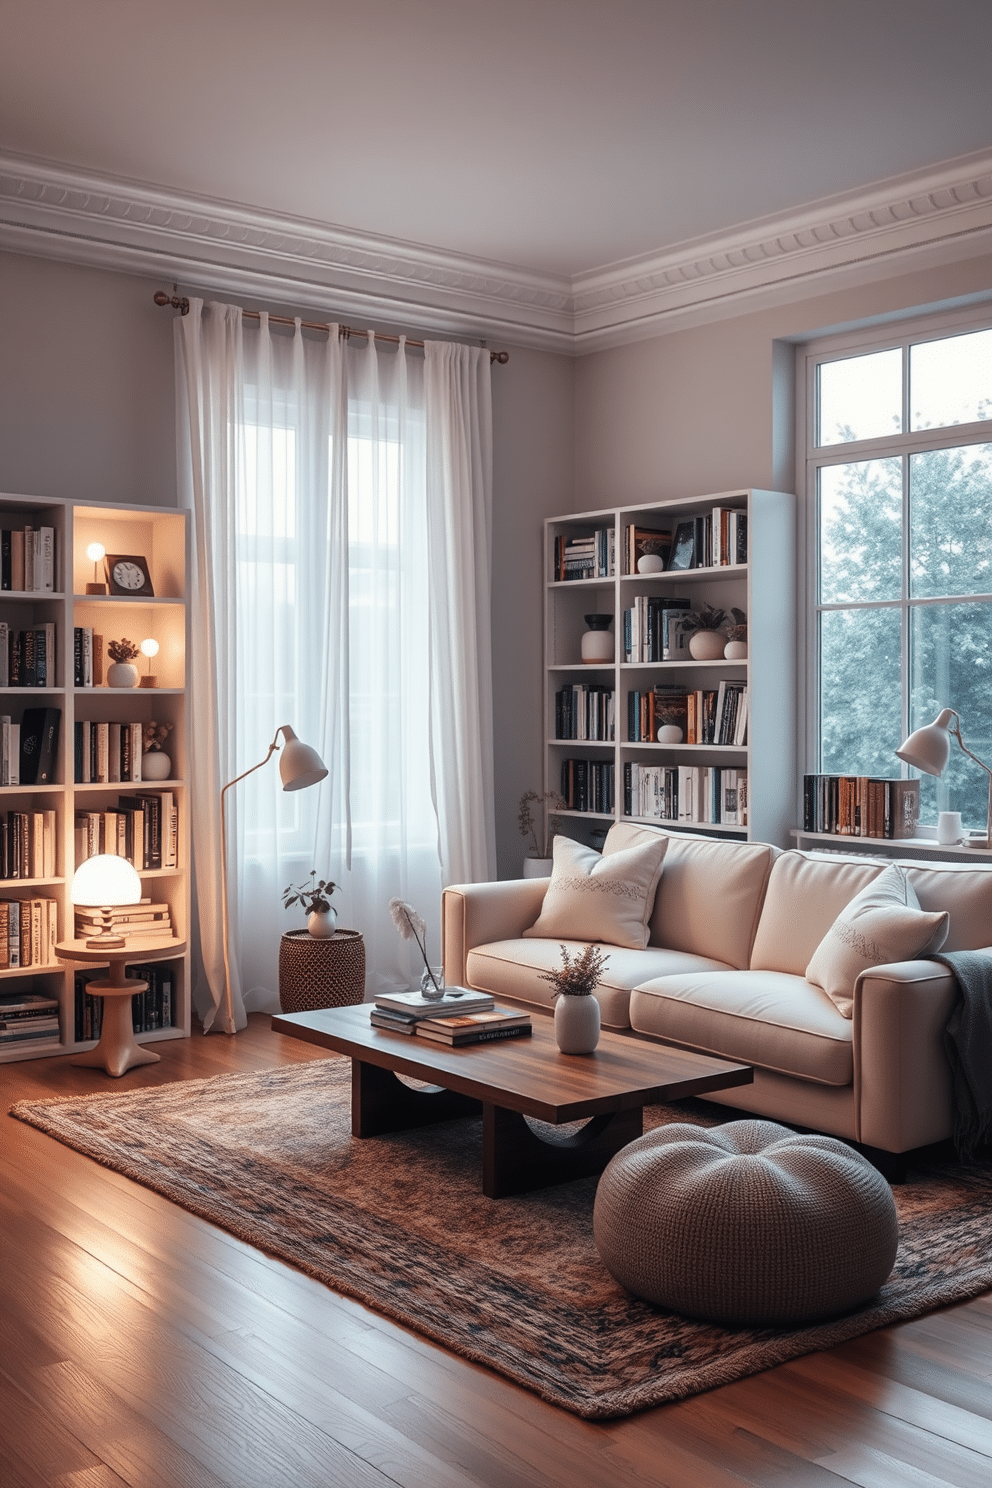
pixel 381 1103
pixel 516 1160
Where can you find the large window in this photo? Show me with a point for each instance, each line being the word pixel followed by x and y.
pixel 899 465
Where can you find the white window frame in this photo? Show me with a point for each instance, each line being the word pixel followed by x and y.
pixel 811 458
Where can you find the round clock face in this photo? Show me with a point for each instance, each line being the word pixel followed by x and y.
pixel 128 576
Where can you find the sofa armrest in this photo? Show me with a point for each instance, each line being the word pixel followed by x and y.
pixel 902 1080
pixel 476 914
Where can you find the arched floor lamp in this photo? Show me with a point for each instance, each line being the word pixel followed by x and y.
pixel 929 749
pixel 300 767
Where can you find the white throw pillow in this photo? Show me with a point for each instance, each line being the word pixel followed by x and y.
pixel 592 898
pixel 881 924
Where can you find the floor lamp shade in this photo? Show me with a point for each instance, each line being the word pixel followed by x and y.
pixel 299 765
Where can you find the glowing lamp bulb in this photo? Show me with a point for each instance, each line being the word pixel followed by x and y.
pixel 149 647
pixel 95 552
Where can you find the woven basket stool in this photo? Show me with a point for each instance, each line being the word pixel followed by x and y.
pixel 320 973
pixel 745 1224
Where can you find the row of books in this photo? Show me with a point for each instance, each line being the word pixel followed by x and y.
pixel 87 657
pixel 587 785
pixel 716 539
pixel 702 794
pixel 28 657
pixel 652 629
pixel 716 715
pixel 150 1010
pixel 28 1018
pixel 587 555
pixel 142 828
pixel 143 922
pixel 29 750
pixel 27 844
pixel 29 932
pixel 585 713
pixel 105 753
pixel 460 1017
pixel 860 805
pixel 27 559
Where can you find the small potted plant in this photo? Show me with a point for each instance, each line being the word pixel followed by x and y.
pixel 536 820
pixel 736 647
pixel 576 1009
pixel 155 763
pixel 315 897
pixel 123 672
pixel 702 626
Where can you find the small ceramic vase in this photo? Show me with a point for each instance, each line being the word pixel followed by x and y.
pixel 122 674
pixel 538 867
pixel 323 923
pixel 650 563
pixel 735 650
pixel 576 1024
pixel 669 733
pixel 155 765
pixel 597 641
pixel 706 645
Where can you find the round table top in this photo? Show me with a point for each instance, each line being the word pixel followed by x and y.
pixel 78 950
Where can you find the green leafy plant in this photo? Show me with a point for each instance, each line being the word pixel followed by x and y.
pixel 535 822
pixel 122 650
pixel 710 618
pixel 578 976
pixel 315 896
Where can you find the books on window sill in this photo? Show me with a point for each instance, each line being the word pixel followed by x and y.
pixel 860 805
pixel 28 657
pixel 585 712
pixel 587 785
pixel 588 555
pixel 27 559
pixel 701 795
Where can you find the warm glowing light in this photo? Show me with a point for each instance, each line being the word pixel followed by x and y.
pixel 105 880
pixel 95 552
pixel 149 647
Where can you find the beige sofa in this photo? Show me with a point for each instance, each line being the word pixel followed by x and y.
pixel 733 929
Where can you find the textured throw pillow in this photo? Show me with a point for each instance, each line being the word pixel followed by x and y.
pixel 881 924
pixel 595 898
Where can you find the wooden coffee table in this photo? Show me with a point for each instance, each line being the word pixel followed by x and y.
pixel 508 1081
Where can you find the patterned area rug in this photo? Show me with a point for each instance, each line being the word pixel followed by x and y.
pixel 516 1284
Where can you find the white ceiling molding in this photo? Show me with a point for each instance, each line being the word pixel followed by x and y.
pixel 221 247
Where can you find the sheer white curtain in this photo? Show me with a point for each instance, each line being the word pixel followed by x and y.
pixel 329 574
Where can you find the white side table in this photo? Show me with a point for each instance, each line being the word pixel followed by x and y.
pixel 117 1050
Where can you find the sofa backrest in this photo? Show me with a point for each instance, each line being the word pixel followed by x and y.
pixel 806 894
pixel 710 894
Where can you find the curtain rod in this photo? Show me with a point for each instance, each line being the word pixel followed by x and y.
pixel 181 303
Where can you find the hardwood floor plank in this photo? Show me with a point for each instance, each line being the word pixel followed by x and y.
pixel 145 1347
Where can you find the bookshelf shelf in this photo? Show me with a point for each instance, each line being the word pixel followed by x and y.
pixel 762 585
pixel 160 536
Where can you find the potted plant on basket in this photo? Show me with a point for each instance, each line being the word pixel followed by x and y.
pixel 576 1009
pixel 315 898
pixel 536 820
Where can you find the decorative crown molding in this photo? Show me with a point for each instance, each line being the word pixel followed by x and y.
pixel 56 212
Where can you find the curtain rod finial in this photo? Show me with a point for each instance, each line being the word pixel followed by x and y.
pixel 177 302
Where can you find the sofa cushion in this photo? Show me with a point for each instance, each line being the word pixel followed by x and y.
pixel 804 896
pixel 883 923
pixel 596 898
pixel 710 895
pixel 965 892
pixel 507 968
pixel 771 1019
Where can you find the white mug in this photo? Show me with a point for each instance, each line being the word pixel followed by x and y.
pixel 949 828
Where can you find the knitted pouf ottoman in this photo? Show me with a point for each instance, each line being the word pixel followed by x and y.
pixel 746 1223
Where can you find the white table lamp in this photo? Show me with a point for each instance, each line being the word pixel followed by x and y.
pixel 149 647
pixel 105 882
pixel 929 748
pixel 96 553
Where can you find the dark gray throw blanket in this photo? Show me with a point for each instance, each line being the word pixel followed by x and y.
pixel 968 1042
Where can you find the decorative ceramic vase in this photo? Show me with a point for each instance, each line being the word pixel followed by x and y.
pixel 597 641
pixel 155 765
pixel 122 674
pixel 669 733
pixel 650 563
pixel 707 645
pixel 323 923
pixel 430 988
pixel 735 650
pixel 949 828
pixel 576 1024
pixel 538 867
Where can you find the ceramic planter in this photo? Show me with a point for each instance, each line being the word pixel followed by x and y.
pixel 577 1024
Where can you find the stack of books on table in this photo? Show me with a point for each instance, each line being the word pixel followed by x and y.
pixel 144 923
pixel 28 1018
pixel 460 1017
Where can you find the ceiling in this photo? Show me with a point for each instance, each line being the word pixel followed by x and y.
pixel 556 138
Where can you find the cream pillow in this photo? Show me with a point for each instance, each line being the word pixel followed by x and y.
pixel 881 924
pixel 601 898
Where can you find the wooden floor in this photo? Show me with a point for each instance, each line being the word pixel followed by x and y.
pixel 141 1345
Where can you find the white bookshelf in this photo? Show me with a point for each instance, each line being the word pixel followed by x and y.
pixel 160 536
pixel 763 587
